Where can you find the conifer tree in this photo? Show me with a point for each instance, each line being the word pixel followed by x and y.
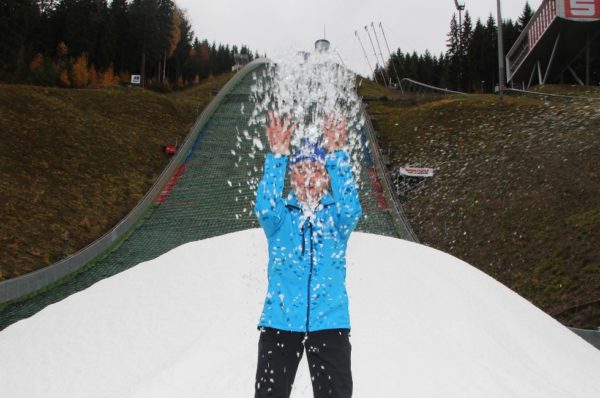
pixel 525 17
pixel 43 41
pixel 438 70
pixel 470 62
pixel 120 26
pixel 82 25
pixel 179 61
pixel 427 65
pixel 453 53
pixel 18 19
pixel 491 53
pixel 143 18
pixel 477 56
pixel 165 26
pixel 510 32
pixel 204 60
pixel 466 35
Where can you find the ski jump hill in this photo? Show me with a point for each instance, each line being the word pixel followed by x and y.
pixel 166 304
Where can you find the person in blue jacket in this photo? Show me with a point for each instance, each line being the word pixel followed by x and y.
pixel 306 305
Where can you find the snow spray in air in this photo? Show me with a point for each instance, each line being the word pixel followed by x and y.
pixel 308 88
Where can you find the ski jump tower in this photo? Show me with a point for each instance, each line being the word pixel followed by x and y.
pixel 560 33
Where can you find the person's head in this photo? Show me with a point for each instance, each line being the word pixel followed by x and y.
pixel 308 175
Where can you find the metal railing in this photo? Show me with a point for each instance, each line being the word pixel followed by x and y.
pixel 27 285
pixel 530 36
pixel 405 231
pixel 430 87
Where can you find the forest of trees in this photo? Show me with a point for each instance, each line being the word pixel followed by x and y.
pixel 74 43
pixel 470 63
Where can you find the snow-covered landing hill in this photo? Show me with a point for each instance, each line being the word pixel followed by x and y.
pixel 425 324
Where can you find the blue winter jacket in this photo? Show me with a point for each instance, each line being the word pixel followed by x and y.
pixel 307 256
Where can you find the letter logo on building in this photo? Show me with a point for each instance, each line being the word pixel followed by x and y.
pixel 582 9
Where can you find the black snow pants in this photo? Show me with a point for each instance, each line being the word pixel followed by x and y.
pixel 328 355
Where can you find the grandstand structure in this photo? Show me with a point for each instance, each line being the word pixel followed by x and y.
pixel 560 34
pixel 193 200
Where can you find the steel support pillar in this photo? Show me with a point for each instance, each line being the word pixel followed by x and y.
pixel 551 58
pixel 531 77
pixel 588 44
pixel 592 39
pixel 575 75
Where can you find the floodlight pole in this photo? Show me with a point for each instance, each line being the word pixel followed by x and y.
pixel 502 74
pixel 365 53
pixel 380 53
pixel 375 54
pixel 460 7
pixel 391 59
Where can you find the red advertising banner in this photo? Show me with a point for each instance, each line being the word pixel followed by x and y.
pixel 582 9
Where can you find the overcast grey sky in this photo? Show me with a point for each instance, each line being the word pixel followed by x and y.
pixel 287 26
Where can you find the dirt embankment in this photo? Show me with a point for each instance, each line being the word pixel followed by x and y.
pixel 75 162
pixel 516 190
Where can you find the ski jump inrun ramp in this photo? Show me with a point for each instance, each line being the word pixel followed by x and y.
pixel 191 201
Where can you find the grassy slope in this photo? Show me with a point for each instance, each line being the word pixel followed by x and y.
pixel 515 192
pixel 74 162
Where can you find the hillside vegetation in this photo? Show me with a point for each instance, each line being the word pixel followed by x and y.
pixel 75 162
pixel 515 191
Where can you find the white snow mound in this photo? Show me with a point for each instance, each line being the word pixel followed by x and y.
pixel 424 324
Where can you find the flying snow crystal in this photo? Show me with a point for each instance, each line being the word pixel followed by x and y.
pixel 258 143
pixel 308 90
pixel 229 182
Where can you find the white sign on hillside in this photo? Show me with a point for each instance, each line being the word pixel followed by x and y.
pixel 422 172
pixel 136 79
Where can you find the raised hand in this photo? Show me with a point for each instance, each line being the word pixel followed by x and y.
pixel 335 131
pixel 280 133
